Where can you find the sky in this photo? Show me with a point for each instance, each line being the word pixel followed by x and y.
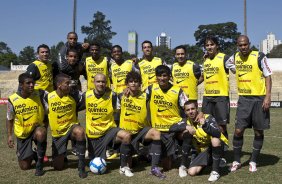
pixel 33 22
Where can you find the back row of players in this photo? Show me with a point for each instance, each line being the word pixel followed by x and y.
pixel 134 87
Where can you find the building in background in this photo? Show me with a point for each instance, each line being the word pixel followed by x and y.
pixel 163 39
pixel 133 43
pixel 267 45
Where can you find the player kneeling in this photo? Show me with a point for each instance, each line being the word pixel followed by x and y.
pixel 101 129
pixel 205 137
pixel 133 118
pixel 64 124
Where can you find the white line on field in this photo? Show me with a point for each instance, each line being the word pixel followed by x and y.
pixel 264 136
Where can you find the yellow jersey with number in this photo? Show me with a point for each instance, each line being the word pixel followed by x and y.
pixel 29 114
pixel 62 114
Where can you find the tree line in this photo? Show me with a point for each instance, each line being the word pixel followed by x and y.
pixel 100 31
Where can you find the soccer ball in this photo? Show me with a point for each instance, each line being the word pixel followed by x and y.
pixel 98 165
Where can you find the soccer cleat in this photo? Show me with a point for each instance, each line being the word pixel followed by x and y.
pixel 182 171
pixel 39 169
pixel 235 166
pixel 113 156
pixel 252 167
pixel 126 171
pixel 222 162
pixel 82 173
pixel 156 172
pixel 214 176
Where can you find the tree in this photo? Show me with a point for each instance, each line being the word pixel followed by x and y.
pixel 164 53
pixel 276 52
pixel 226 33
pixel 27 56
pixel 6 55
pixel 54 51
pixel 126 55
pixel 99 32
pixel 195 53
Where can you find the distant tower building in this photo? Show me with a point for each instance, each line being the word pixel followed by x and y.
pixel 132 43
pixel 163 39
pixel 267 45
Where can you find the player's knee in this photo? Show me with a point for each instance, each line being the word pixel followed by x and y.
pixel 215 142
pixel 192 172
pixel 156 135
pixel 239 132
pixel 126 137
pixel 79 132
pixel 24 165
pixel 41 134
pixel 259 132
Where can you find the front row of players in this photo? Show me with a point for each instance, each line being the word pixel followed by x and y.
pixel 26 114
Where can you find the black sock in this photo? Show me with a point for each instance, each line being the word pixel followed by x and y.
pixel 81 147
pixel 225 133
pixel 125 153
pixel 186 147
pixel 155 152
pixel 216 153
pixel 237 147
pixel 41 150
pixel 257 145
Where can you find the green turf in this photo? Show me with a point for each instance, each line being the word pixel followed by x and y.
pixel 269 167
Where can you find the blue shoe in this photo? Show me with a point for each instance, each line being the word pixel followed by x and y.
pixel 156 172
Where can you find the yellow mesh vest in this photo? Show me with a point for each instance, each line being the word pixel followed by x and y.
pixel 46 78
pixel 94 67
pixel 147 70
pixel 119 73
pixel 164 107
pixel 249 77
pixel 29 114
pixel 201 139
pixel 183 77
pixel 62 114
pixel 133 115
pixel 99 114
pixel 215 78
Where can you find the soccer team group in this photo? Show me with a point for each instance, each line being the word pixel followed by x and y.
pixel 131 103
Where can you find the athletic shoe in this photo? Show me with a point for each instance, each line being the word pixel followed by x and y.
pixel 214 176
pixel 39 169
pixel 222 162
pixel 82 173
pixel 235 166
pixel 182 171
pixel 252 167
pixel 74 151
pixel 113 156
pixel 126 171
pixel 156 172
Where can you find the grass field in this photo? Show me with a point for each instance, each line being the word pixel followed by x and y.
pixel 269 167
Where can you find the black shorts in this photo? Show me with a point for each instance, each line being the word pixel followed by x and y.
pixel 140 138
pixel 218 107
pixel 250 114
pixel 97 147
pixel 202 159
pixel 59 144
pixel 24 147
pixel 168 144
